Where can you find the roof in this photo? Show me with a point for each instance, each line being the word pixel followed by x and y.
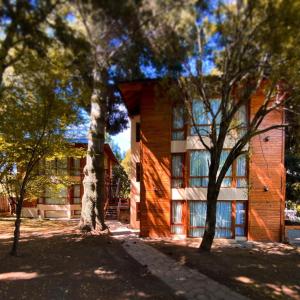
pixel 107 149
pixel 131 92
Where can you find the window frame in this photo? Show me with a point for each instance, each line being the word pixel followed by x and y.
pixel 183 216
pixel 182 129
pixel 183 162
pixel 137 132
pixel 138 172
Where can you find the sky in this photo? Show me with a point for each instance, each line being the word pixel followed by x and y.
pixel 123 139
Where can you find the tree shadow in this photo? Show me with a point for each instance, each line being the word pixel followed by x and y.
pixel 257 270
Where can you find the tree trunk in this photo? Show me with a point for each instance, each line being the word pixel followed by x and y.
pixel 93 200
pixel 210 223
pixel 19 205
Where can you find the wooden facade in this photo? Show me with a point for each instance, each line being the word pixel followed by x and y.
pixel 264 203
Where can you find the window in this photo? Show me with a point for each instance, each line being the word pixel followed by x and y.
pixel 241 171
pixel 178 123
pixel 198 218
pixel 199 167
pixel 199 170
pixel 138 172
pixel 56 196
pixel 57 166
pixel 178 170
pixel 76 194
pixel 241 121
pixel 227 181
pixel 240 219
pixel 177 220
pixel 137 132
pixel 203 118
pixel 75 167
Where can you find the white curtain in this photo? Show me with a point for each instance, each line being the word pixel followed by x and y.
pixel 199 166
pixel 177 226
pixel 223 224
pixel 76 194
pixel 240 218
pixel 226 181
pixel 178 122
pixel 241 165
pixel 177 171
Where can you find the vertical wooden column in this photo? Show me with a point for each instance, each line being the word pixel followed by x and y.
pixel 156 163
pixel 266 174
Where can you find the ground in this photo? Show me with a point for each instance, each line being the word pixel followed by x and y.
pixel 57 262
pixel 256 270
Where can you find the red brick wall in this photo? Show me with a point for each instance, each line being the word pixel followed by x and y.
pixel 155 161
pixel 265 215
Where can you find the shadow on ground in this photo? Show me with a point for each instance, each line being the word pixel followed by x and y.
pixel 56 262
pixel 257 270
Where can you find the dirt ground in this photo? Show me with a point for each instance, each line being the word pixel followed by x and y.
pixel 57 262
pixel 256 270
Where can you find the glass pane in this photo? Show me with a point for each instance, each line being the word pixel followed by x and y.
pixel 239 231
pixel 226 182
pixel 76 190
pixel 202 130
pixel 240 213
pixel 76 166
pixel 241 183
pixel 241 165
pixel 215 105
pixel 197 182
pixel 178 117
pixel 199 113
pixel 199 163
pixel 197 213
pixel 62 166
pixel 241 116
pixel 176 212
pixel 177 165
pixel 223 215
pixel 177 229
pixel 177 183
pixel 223 158
pixel 178 135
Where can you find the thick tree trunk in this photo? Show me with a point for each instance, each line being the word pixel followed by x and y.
pixel 93 200
pixel 19 205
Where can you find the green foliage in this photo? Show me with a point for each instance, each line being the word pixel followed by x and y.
pixel 121 177
pixel 126 162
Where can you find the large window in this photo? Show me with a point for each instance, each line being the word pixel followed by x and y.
pixel 178 123
pixel 198 217
pixel 203 117
pixel 178 170
pixel 199 169
pixel 57 166
pixel 56 196
pixel 177 217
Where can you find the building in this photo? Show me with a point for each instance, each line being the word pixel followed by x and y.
pixel 65 202
pixel 169 173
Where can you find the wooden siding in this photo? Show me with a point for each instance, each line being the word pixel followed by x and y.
pixel 155 161
pixel 266 169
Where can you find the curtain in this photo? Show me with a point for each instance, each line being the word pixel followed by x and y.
pixel 177 217
pixel 223 222
pixel 177 171
pixel 178 123
pixel 240 218
pixel 197 218
pixel 241 166
pixel 226 181
pixel 199 166
pixel 215 105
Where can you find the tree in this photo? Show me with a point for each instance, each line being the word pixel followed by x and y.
pixel 122 39
pixel 22 25
pixel 36 108
pixel 251 45
pixel 126 162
